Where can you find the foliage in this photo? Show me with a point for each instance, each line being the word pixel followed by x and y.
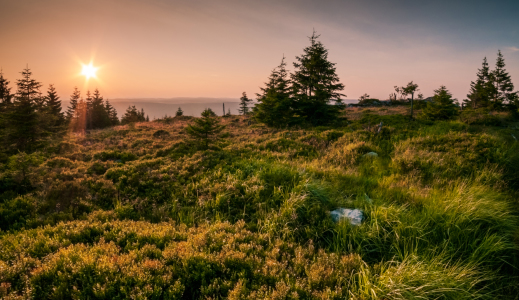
pixel 369 102
pixel 275 105
pixel 206 128
pixel 244 102
pixel 442 107
pixel 316 86
pixel 179 112
pixel 132 115
pixel 120 213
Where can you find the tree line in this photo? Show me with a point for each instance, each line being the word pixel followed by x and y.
pixel 312 93
pixel 29 118
pixel 493 89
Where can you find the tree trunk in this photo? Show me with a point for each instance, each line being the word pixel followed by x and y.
pixel 412 97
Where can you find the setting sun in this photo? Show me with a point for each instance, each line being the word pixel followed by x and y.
pixel 89 71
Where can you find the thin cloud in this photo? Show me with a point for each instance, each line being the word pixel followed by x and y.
pixel 513 49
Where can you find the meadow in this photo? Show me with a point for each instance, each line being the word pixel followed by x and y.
pixel 140 211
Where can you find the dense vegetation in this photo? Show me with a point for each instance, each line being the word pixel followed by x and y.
pixel 224 207
pixel 145 211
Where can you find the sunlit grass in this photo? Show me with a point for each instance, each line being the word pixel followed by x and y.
pixel 125 212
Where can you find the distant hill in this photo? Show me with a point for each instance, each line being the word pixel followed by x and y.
pixel 158 107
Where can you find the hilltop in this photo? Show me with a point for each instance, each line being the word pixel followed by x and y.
pixel 139 211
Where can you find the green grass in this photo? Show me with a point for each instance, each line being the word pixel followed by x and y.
pixel 126 213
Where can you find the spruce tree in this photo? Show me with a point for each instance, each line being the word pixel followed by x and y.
pixel 179 112
pixel 206 128
pixel 244 104
pixel 275 104
pixel 24 132
pixel 53 109
pixel 89 114
pixel 6 97
pixel 442 107
pixel 502 81
pixel 132 115
pixel 482 89
pixel 72 109
pixel 112 114
pixel 80 117
pixel 5 102
pixel 316 85
pixel 99 115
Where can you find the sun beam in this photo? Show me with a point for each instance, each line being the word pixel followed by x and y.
pixel 89 71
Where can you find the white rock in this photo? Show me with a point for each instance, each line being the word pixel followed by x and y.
pixel 371 154
pixel 354 216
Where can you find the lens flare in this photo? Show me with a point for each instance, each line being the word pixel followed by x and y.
pixel 89 71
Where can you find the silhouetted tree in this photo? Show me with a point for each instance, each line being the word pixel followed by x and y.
pixel 482 89
pixel 112 114
pixel 132 115
pixel 23 132
pixel 364 97
pixel 275 105
pixel 442 107
pixel 6 97
pixel 99 115
pixel 179 112
pixel 89 115
pixel 502 82
pixel 72 109
pixel 80 124
pixel 5 102
pixel 77 112
pixel 316 84
pixel 53 109
pixel 410 89
pixel 206 128
pixel 244 104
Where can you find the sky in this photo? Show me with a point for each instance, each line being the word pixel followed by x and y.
pixel 209 48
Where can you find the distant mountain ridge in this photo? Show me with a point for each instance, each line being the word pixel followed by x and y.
pixel 177 100
pixel 157 108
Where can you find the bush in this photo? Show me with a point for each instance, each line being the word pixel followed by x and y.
pixel 161 133
pixel 16 212
pixel 442 107
pixel 127 259
pixel 116 156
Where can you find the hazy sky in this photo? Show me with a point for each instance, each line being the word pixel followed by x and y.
pixel 220 48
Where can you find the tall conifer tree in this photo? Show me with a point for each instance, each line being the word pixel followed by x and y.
pixel 275 104
pixel 316 85
pixel 504 88
pixel 112 114
pixel 23 133
pixel 99 115
pixel 6 97
pixel 244 104
pixel 72 109
pixel 53 108
pixel 482 89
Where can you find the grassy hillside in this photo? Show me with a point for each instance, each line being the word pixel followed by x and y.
pixel 140 212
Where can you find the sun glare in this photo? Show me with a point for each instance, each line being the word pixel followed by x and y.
pixel 89 71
